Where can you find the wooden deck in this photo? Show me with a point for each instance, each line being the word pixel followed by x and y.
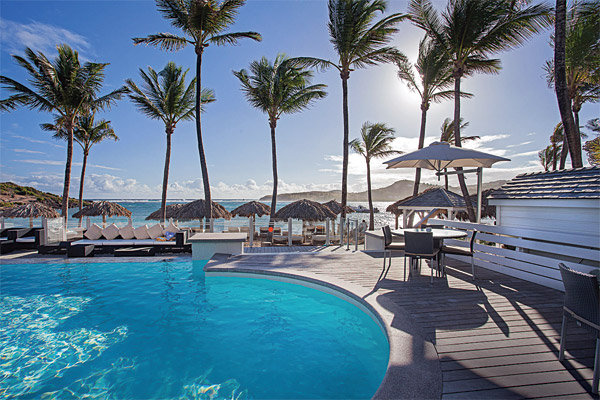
pixel 496 337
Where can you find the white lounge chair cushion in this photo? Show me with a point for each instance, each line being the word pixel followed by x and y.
pixel 25 240
pixel 86 241
pixel 110 232
pixel 155 231
pixel 171 228
pixel 94 232
pixel 233 229
pixel 126 232
pixel 141 232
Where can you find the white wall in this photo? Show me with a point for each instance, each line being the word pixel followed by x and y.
pixel 578 217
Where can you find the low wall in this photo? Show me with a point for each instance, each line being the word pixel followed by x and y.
pixel 529 254
pixel 206 245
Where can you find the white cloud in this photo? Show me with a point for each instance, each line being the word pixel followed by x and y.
pixel 45 142
pixel 519 144
pixel 526 153
pixel 39 37
pixel 27 151
pixel 76 164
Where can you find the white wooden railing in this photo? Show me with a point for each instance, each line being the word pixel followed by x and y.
pixel 529 254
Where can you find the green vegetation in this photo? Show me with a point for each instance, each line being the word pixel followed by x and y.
pixel 11 190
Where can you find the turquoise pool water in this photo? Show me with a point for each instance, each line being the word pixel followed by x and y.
pixel 165 330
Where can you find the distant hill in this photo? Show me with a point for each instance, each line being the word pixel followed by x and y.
pixel 12 194
pixel 396 191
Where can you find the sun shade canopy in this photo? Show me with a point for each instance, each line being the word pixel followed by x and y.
pixel 440 155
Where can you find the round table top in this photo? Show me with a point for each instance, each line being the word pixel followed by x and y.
pixel 437 233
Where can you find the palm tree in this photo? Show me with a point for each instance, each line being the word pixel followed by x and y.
pixel 546 157
pixel 63 86
pixel 203 23
pixel 447 135
pixel 164 96
pixel 375 142
pixel 87 133
pixel 582 65
pixel 276 89
pixel 435 75
pixel 471 31
pixel 592 147
pixel 557 145
pixel 359 41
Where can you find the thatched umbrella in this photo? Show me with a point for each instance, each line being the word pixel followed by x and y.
pixel 104 208
pixel 195 210
pixel 31 211
pixel 170 211
pixel 251 209
pixel 337 207
pixel 306 210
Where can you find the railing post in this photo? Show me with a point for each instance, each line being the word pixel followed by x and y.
pixel 479 185
pixel 251 230
pixel 327 242
pixel 212 225
pixel 341 229
pixel 289 232
pixel 348 234
pixel 356 235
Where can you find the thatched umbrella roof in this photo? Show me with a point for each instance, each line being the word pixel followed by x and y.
pixel 195 210
pixel 252 208
pixel 104 208
pixel 170 211
pixel 30 210
pixel 336 207
pixel 306 210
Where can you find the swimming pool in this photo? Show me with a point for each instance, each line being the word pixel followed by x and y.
pixel 166 330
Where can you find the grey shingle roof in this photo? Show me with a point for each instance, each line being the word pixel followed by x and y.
pixel 435 197
pixel 578 183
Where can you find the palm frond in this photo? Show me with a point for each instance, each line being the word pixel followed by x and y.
pixel 311 62
pixel 165 41
pixel 233 38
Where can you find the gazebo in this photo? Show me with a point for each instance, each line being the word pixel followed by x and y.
pixel 428 204
pixel 104 208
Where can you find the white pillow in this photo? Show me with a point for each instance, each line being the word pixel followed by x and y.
pixel 127 232
pixel 141 232
pixel 155 231
pixel 171 228
pixel 110 232
pixel 93 233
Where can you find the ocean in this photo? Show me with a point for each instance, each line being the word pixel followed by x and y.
pixel 140 209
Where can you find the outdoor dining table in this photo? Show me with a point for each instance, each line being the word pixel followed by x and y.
pixel 438 233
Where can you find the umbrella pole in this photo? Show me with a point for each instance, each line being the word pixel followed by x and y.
pixel 479 185
pixel 31 222
pixel 251 231
pixel 289 231
pixel 104 221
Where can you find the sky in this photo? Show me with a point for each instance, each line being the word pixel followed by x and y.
pixel 514 112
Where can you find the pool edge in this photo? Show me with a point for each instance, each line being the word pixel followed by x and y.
pixel 413 370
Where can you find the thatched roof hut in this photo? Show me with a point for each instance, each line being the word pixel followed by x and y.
pixel 30 210
pixel 251 209
pixel 195 210
pixel 428 199
pixel 306 210
pixel 336 207
pixel 104 208
pixel 171 209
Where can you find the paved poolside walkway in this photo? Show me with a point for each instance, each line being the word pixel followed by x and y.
pixel 496 337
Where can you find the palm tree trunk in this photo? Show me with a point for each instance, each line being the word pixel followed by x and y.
pixel 560 85
pixel 81 180
pixel 458 143
pixel 275 178
pixel 163 203
pixel 203 166
pixel 65 198
pixel 564 153
pixel 345 75
pixel 371 213
pixel 424 108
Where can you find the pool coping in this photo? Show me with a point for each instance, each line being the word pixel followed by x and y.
pixel 413 370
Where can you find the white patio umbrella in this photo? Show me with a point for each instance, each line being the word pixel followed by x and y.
pixel 440 155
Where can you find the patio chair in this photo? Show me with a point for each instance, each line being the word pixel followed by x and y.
pixel 461 251
pixel 389 246
pixel 582 303
pixel 419 246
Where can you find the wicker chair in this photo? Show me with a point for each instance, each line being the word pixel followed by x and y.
pixel 389 247
pixel 582 303
pixel 419 245
pixel 461 251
